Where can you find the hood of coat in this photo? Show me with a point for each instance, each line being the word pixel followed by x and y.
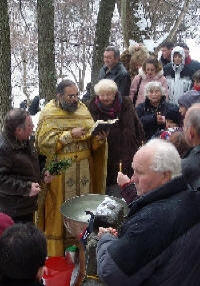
pixel 180 51
pixel 146 77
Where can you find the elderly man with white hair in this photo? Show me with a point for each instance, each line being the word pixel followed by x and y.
pixel 159 242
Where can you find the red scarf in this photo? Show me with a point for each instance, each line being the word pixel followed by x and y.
pixel 196 87
pixel 188 60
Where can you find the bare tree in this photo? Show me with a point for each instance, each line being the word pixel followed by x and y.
pixel 5 62
pixel 102 35
pixel 46 55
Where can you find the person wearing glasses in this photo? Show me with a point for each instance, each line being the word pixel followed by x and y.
pixel 63 132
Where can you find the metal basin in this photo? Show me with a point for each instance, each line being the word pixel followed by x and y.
pixel 73 211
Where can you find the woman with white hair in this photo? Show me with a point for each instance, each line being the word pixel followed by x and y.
pixel 126 135
pixel 153 110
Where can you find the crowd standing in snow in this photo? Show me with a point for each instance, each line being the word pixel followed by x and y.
pixel 149 156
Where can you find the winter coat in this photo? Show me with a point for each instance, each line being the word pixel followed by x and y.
pixel 119 75
pixel 191 166
pixel 123 140
pixel 145 79
pixel 179 78
pixel 164 61
pixel 19 167
pixel 159 244
pixel 148 116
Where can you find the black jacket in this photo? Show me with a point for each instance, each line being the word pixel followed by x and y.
pixel 148 116
pixel 191 167
pixel 164 61
pixel 18 169
pixel 119 75
pixel 158 245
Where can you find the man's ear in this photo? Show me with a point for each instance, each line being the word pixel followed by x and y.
pixel 167 176
pixel 18 132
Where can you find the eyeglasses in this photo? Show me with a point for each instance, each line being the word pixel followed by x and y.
pixel 72 95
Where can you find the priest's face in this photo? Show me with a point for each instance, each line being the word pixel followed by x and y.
pixel 69 100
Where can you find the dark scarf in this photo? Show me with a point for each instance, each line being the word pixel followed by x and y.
pixel 111 111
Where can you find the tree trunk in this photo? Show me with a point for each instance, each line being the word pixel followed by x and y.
pixel 102 34
pixel 5 62
pixel 46 55
pixel 177 23
pixel 129 20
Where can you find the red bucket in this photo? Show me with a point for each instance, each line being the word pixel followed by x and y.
pixel 58 272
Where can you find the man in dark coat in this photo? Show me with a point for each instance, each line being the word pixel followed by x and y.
pixel 158 245
pixel 191 161
pixel 115 70
pixel 19 167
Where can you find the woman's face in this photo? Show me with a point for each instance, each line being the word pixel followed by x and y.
pixel 150 70
pixel 107 97
pixel 154 96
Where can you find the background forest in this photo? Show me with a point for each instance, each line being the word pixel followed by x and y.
pixel 43 41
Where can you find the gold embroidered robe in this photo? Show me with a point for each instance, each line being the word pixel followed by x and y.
pixel 86 175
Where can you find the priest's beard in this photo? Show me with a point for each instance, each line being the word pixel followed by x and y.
pixel 70 107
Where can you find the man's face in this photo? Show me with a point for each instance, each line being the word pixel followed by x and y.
pixel 144 177
pixel 109 59
pixel 69 100
pixel 177 59
pixel 23 133
pixel 166 53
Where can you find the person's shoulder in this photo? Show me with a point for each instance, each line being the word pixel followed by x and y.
pixel 167 68
pixel 122 69
pixel 126 101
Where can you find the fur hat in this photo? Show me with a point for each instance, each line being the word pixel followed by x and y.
pixel 189 98
pixel 173 114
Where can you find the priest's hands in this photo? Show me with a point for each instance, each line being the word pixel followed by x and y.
pixel 78 132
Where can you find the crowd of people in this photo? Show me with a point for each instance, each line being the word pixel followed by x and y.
pixel 150 154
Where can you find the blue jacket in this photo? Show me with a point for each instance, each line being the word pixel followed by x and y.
pixel 159 244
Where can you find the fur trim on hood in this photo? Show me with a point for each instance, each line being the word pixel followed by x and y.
pixel 180 51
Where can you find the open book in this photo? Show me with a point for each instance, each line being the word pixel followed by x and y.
pixel 101 125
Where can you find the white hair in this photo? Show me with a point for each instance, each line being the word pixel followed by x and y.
pixel 105 85
pixel 153 85
pixel 165 157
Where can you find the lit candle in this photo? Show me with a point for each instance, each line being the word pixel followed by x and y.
pixel 120 166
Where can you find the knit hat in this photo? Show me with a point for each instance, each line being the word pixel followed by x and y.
pixel 5 222
pixel 173 114
pixel 189 98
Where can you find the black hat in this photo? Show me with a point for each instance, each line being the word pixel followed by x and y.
pixel 173 114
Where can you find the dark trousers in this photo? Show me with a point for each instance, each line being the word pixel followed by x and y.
pixel 23 218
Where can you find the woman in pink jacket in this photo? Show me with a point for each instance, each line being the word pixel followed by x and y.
pixel 150 71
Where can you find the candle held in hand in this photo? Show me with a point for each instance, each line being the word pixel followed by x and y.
pixel 120 166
